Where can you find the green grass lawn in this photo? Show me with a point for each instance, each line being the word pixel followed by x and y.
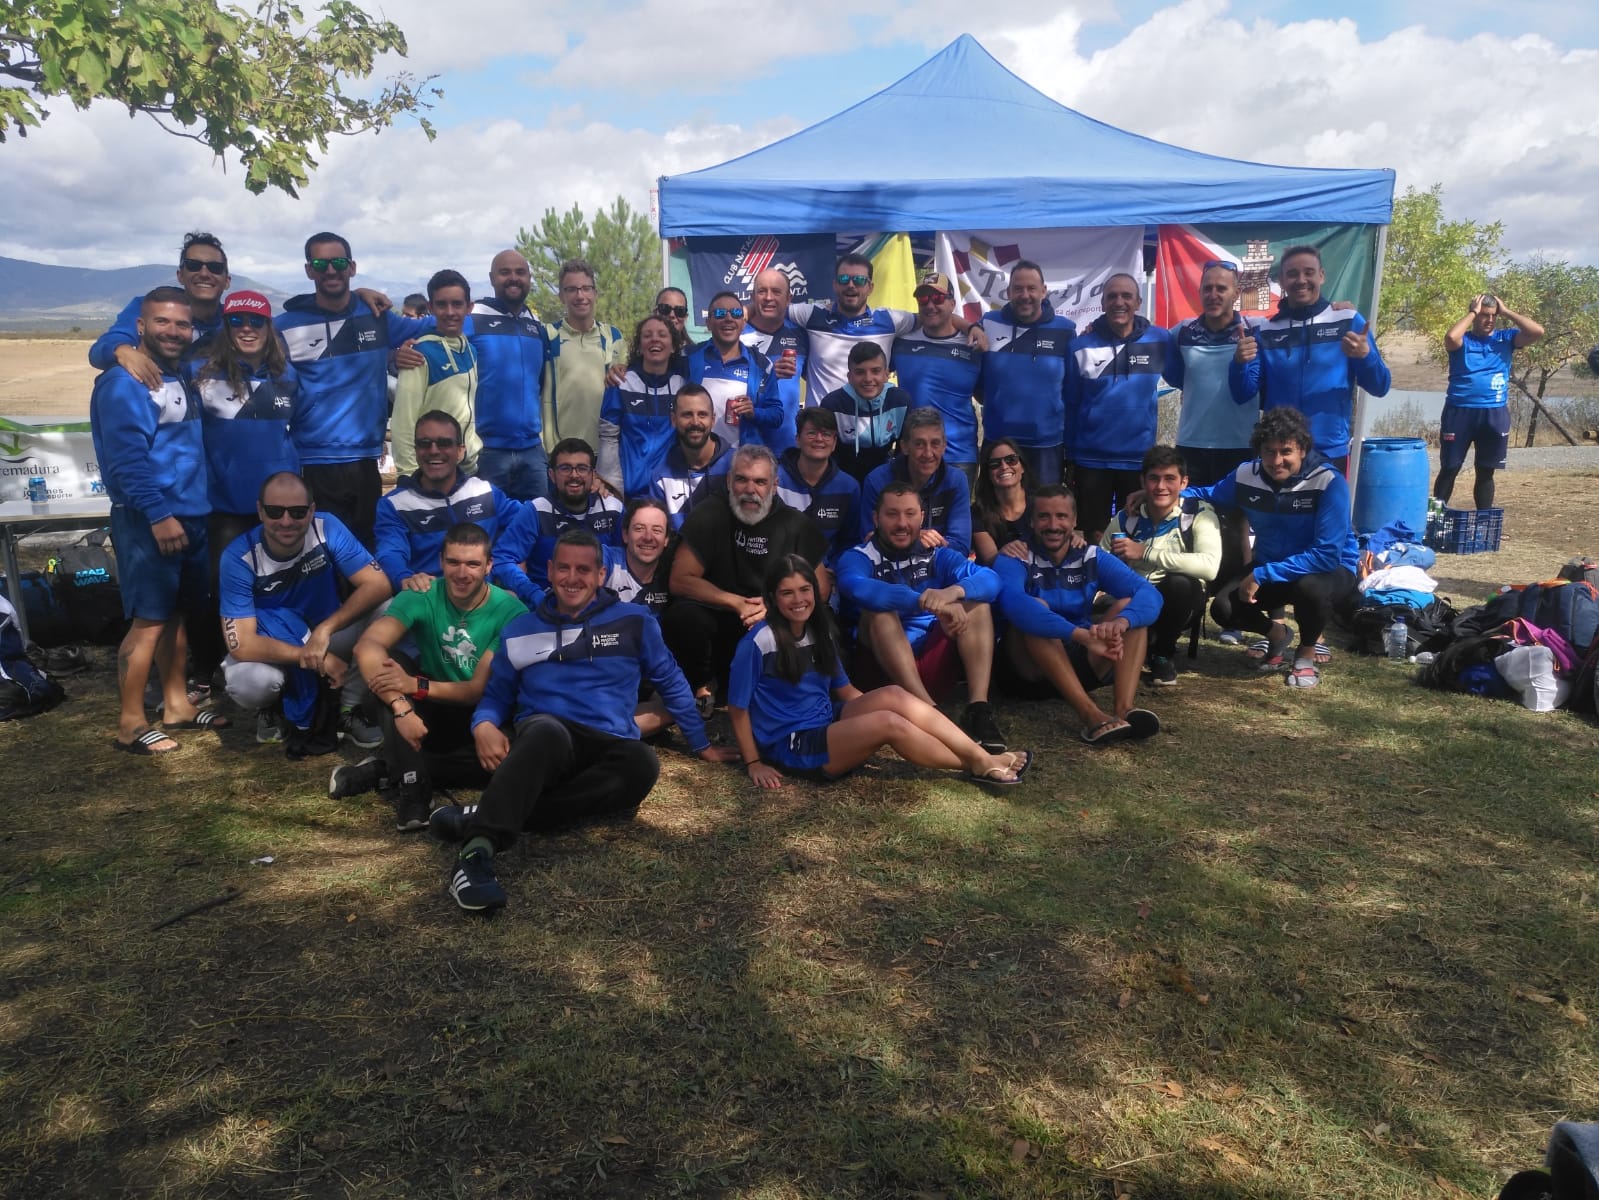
pixel 1335 944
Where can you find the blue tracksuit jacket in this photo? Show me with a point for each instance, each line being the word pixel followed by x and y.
pixel 411 524
pixel 149 446
pixel 1023 381
pixel 1301 526
pixel 1067 590
pixel 1111 387
pixel 946 501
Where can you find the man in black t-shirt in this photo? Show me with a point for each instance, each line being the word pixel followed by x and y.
pixel 719 569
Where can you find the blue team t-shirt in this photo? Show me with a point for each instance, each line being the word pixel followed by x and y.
pixel 1479 372
pixel 777 707
pixel 306 584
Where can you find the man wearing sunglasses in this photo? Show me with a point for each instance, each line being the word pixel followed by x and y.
pixel 522 552
pixel 835 329
pixel 447 379
pixel 739 378
pixel 512 347
pixel 203 276
pixel 286 629
pixel 339 344
pixel 939 368
pixel 149 446
pixel 413 519
pixel 773 332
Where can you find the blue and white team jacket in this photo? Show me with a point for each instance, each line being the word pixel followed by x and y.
pixel 512 347
pixel 1301 364
pixel 790 391
pixel 530 539
pixel 247 438
pixel 1301 526
pixel 343 362
pixel 149 446
pixel 586 669
pixel 681 487
pixel 1023 380
pixel 750 374
pixel 946 501
pixel 1068 588
pixel 877 578
pixel 251 583
pixel 942 373
pixel 1111 387
pixel 411 524
pixel 833 335
pixel 831 503
pixel 636 428
pixel 124 331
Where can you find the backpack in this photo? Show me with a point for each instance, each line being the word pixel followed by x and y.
pixel 1581 570
pixel 48 624
pixel 86 586
pixel 24 689
pixel 1455 667
pixel 1570 608
pixel 1428 628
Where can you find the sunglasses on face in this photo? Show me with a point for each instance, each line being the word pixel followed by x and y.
pixel 274 512
pixel 240 320
pixel 1004 460
pixel 197 265
pixel 671 310
pixel 440 443
pixel 1223 263
pixel 857 280
pixel 720 313
pixel 319 265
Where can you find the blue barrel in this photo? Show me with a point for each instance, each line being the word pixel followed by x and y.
pixel 1393 485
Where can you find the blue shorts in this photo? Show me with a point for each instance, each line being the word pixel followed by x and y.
pixel 803 752
pixel 1488 429
pixel 156 586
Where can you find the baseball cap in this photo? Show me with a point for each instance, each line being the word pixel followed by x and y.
pixel 937 281
pixel 247 302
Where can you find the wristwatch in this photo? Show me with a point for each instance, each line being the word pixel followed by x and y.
pixel 421 692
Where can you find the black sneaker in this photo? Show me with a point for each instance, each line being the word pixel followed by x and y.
pixel 411 807
pixel 448 822
pixel 473 883
pixel 368 775
pixel 1162 672
pixel 979 724
pixel 354 727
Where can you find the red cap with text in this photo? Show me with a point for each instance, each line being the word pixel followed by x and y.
pixel 247 302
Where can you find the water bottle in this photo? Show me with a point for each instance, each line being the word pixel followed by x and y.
pixel 39 494
pixel 1397 640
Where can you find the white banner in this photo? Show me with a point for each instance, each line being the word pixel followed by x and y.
pixel 1076 263
pixel 63 455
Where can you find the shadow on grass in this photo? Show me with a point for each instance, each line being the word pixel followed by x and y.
pixel 1285 950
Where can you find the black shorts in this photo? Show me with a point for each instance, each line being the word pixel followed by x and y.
pixel 1488 429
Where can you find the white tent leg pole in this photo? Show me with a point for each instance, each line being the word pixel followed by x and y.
pixel 1358 422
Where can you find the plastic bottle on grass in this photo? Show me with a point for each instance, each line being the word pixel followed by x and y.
pixel 1397 639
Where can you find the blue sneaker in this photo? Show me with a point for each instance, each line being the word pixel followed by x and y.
pixel 473 883
pixel 448 821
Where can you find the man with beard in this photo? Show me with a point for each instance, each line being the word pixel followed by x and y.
pixel 739 378
pixel 455 627
pixel 719 568
pixel 204 278
pixel 1049 600
pixel 1023 381
pixel 512 348
pixel 283 621
pixel 1113 373
pixel 788 347
pixel 152 457
pixel 696 464
pixel 523 550
pixel 413 519
pixel 809 481
pixel 1213 429
pixel 1309 357
pixel 919 602
pixel 552 725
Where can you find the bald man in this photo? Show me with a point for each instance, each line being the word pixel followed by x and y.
pixel 512 348
pixel 770 331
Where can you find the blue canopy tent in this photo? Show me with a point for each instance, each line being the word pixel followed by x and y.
pixel 1069 170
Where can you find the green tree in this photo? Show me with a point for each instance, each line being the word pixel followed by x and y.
pixel 1433 267
pixel 1565 300
pixel 267 86
pixel 619 244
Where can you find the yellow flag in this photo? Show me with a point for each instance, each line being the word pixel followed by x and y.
pixel 893 273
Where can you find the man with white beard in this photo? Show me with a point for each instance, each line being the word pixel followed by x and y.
pixel 719 569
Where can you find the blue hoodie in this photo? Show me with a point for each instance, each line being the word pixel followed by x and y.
pixel 512 348
pixel 343 362
pixel 411 524
pixel 530 539
pixel 680 487
pixel 831 503
pixel 248 440
pixel 124 331
pixel 586 669
pixel 1111 388
pixel 1068 589
pixel 874 577
pixel 149 446
pixel 867 429
pixel 946 501
pixel 1301 526
pixel 1301 364
pixel 1023 382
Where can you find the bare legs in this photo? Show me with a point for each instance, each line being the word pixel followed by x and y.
pixel 163 644
pixel 917 731
pixel 884 635
pixel 1036 657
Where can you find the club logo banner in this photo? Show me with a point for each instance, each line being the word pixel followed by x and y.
pixel 731 264
pixel 1076 264
pixel 62 455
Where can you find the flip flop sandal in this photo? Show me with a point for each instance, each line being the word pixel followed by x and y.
pixel 1323 652
pixel 1107 733
pixel 1276 653
pixel 1142 722
pixel 993 780
pixel 1304 675
pixel 1258 648
pixel 204 719
pixel 142 744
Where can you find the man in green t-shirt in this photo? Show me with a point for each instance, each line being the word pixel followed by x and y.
pixel 427 726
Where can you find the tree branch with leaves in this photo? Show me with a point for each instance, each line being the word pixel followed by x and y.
pixel 619 244
pixel 268 87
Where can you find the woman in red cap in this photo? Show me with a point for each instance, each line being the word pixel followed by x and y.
pixel 244 388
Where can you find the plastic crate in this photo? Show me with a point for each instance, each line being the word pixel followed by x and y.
pixel 1470 531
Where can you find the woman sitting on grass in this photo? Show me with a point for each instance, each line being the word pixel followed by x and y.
pixel 793 707
pixel 1001 503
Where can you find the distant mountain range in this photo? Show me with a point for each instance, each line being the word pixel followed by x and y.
pixel 36 296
